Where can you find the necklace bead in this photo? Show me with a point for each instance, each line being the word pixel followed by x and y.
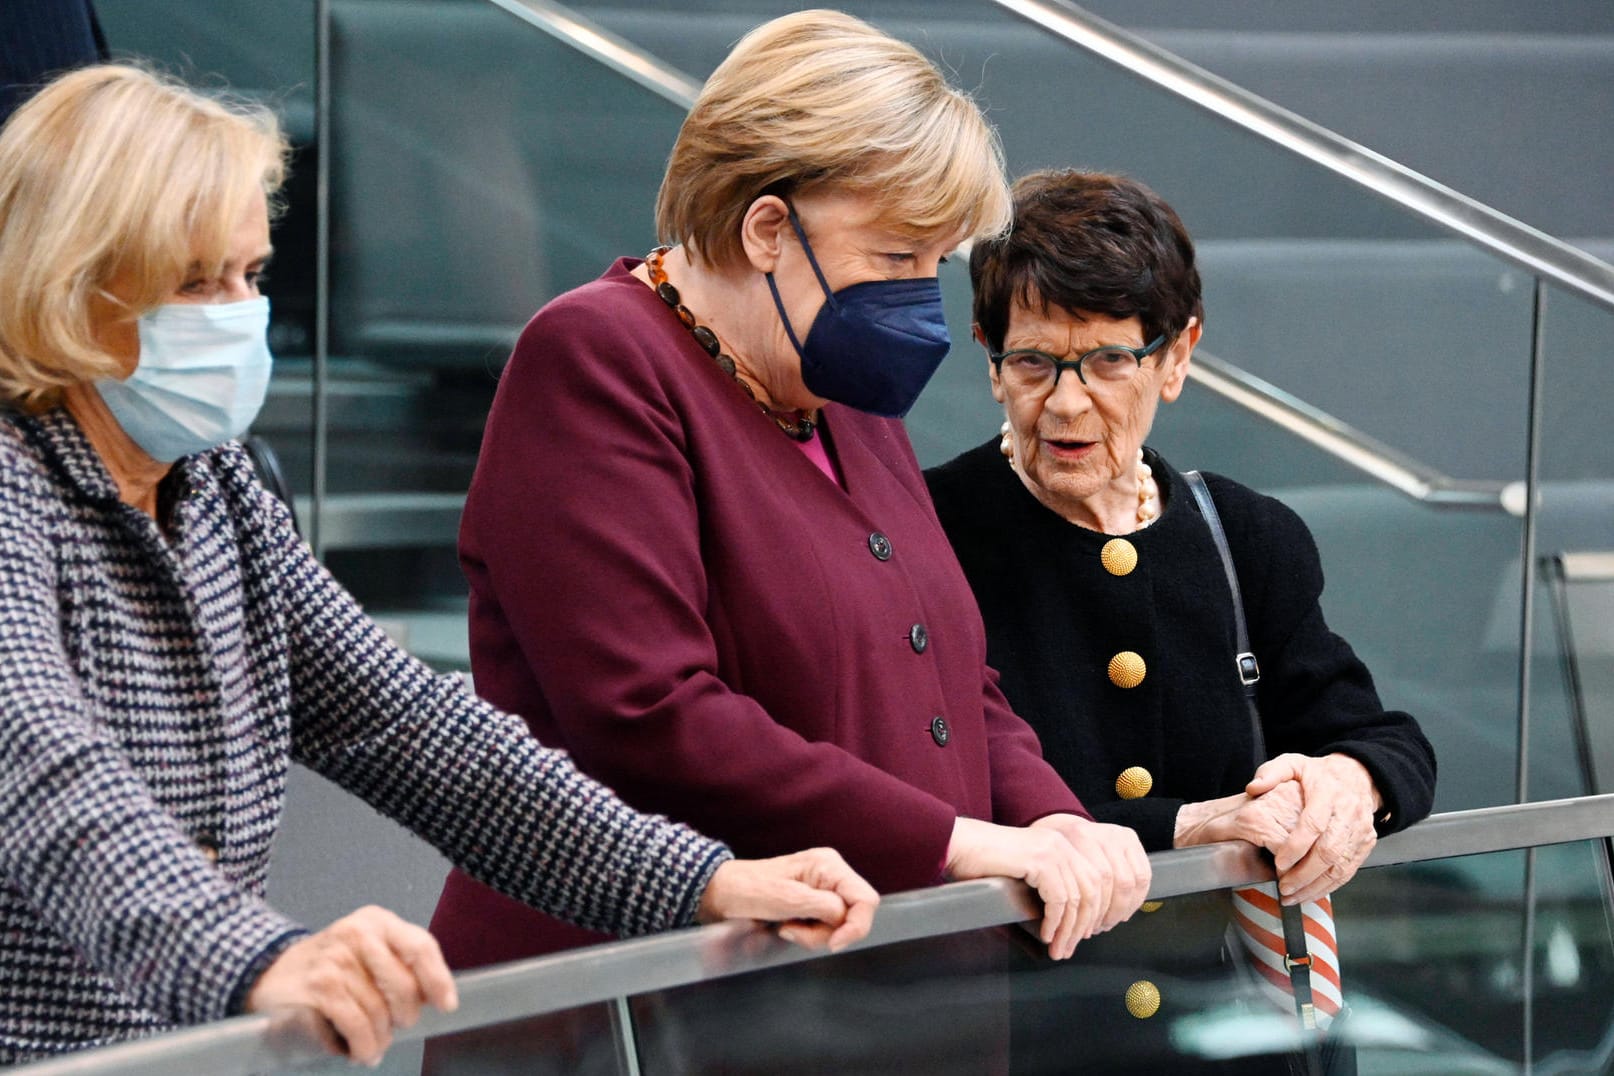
pixel 797 424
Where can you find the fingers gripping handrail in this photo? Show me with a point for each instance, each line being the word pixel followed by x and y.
pixel 1534 251
pixel 552 984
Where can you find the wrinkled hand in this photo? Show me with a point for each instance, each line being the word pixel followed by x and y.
pixel 1335 831
pixel 365 974
pixel 1266 820
pixel 1101 842
pixel 819 899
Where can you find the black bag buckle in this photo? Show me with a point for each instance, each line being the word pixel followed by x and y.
pixel 1249 669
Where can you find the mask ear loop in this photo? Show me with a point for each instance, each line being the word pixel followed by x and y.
pixel 795 222
pixel 829 296
pixel 779 305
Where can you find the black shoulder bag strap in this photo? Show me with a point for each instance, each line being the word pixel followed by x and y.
pixel 1296 959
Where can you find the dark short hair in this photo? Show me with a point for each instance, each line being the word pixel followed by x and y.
pixel 1088 243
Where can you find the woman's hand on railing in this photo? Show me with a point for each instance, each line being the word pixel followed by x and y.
pixel 364 975
pixel 1088 879
pixel 1120 848
pixel 817 898
pixel 1334 834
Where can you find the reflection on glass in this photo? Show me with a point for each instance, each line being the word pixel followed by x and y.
pixel 1434 976
pixel 576 1042
pixel 1581 593
pixel 1574 655
pixel 479 167
pixel 939 1005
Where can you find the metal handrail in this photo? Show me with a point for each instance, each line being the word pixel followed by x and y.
pixel 593 40
pixel 1350 445
pixel 1587 567
pixel 1532 250
pixel 553 984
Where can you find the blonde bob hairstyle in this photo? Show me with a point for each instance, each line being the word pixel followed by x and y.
pixel 114 172
pixel 819 100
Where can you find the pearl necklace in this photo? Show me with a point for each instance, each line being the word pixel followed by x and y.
pixel 1148 488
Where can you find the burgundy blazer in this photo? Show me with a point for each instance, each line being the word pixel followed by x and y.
pixel 663 584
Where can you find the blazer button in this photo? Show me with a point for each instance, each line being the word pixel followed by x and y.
pixel 939 731
pixel 1118 556
pixel 1127 669
pixel 1135 781
pixel 209 849
pixel 1143 999
pixel 1151 906
pixel 880 546
pixel 918 638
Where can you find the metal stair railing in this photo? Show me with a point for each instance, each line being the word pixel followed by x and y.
pixel 249 1044
pixel 1535 251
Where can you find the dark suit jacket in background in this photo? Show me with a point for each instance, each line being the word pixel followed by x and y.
pixel 40 38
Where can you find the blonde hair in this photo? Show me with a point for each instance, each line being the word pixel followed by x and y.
pixel 113 171
pixel 821 100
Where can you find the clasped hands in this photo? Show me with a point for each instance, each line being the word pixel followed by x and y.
pixel 1315 815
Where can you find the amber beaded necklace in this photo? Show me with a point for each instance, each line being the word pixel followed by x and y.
pixel 798 424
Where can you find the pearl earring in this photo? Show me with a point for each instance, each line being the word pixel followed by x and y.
pixel 1006 442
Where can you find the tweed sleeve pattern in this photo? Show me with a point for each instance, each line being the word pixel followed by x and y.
pixel 423 750
pixel 113 922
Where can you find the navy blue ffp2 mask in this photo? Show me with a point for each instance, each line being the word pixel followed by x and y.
pixel 873 346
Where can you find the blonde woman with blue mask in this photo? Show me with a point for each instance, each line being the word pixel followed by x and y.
pixel 168 646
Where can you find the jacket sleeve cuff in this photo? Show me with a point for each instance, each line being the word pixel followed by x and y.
pixel 237 1003
pixel 689 912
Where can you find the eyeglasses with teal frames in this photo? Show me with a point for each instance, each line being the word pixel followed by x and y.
pixel 1111 364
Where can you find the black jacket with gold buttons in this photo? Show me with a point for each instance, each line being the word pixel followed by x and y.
pixel 1125 664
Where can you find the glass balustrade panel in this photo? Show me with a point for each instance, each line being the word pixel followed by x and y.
pixel 479 168
pixel 1572 716
pixel 1433 966
pixel 576 1042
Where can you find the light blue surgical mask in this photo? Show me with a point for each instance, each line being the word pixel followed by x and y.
pixel 874 345
pixel 201 379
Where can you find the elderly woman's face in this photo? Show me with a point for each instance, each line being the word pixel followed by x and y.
pixel 243 268
pixel 1074 441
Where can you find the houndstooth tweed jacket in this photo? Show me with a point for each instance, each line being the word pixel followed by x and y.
pixel 154 684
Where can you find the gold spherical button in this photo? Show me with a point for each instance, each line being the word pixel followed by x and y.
pixel 1118 556
pixel 1127 669
pixel 1143 999
pixel 1135 781
pixel 1151 906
